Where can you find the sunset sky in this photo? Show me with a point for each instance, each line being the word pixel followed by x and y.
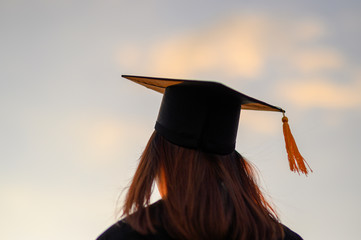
pixel 72 130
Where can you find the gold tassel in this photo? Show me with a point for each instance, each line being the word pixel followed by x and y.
pixel 296 161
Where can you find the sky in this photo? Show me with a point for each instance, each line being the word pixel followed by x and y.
pixel 72 130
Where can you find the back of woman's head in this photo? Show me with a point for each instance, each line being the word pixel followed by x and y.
pixel 208 196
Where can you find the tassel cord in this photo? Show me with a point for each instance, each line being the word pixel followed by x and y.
pixel 296 161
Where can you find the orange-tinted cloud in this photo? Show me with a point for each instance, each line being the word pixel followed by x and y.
pixel 317 60
pixel 240 46
pixel 233 47
pixel 322 93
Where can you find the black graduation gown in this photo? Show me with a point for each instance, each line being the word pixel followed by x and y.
pixel 122 231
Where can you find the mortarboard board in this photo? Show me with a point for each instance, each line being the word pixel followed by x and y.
pixel 204 115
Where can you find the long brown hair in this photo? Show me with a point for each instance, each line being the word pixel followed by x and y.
pixel 208 196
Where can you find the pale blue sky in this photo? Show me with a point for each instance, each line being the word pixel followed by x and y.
pixel 71 130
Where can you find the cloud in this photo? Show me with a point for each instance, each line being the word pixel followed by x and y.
pixel 317 60
pixel 322 93
pixel 233 46
pixel 242 46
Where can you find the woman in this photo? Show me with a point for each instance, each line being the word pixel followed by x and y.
pixel 208 189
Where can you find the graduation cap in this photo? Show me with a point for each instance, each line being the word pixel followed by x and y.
pixel 205 115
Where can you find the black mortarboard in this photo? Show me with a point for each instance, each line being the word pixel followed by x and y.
pixel 201 114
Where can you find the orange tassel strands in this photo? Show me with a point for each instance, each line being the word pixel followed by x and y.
pixel 297 162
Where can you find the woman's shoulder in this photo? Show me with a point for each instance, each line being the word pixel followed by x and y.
pixel 122 230
pixel 118 231
pixel 290 235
